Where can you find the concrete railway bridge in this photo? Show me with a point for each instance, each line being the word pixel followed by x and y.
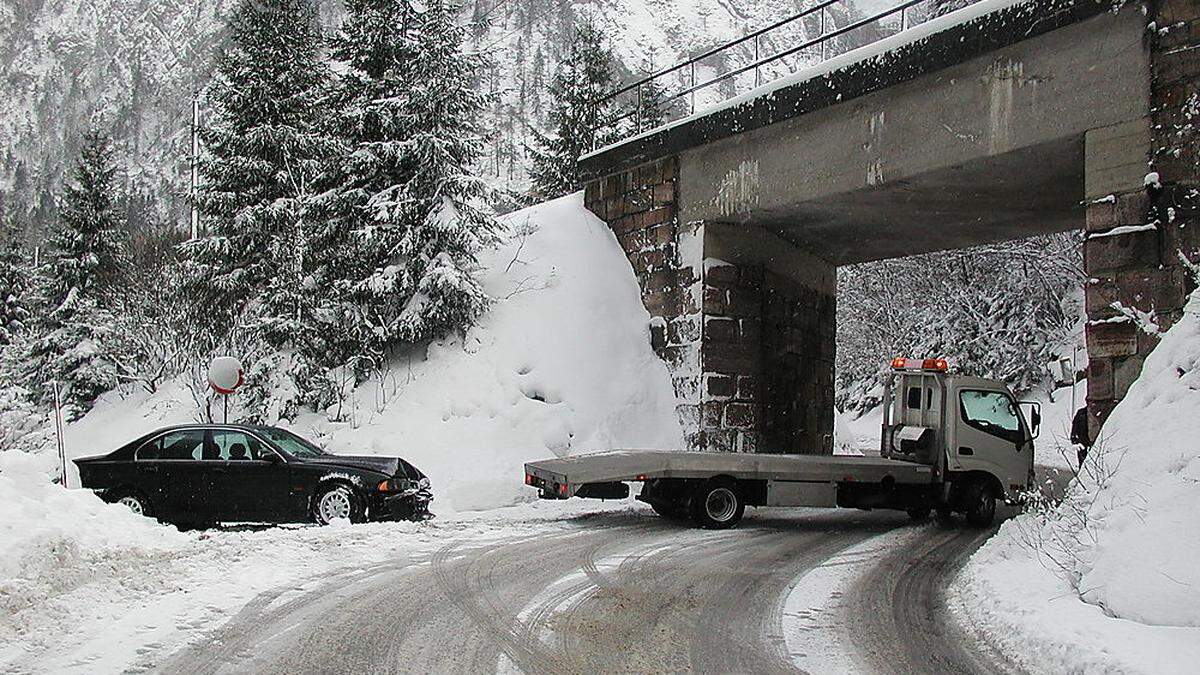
pixel 1037 117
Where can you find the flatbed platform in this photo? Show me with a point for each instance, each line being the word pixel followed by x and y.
pixel 564 476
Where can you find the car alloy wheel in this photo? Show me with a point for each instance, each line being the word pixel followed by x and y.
pixel 334 505
pixel 133 504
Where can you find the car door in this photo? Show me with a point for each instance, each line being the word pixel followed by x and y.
pixel 178 476
pixel 253 486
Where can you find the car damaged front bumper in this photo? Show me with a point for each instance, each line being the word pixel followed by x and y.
pixel 410 503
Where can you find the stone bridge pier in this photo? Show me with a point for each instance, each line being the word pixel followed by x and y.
pixel 1041 117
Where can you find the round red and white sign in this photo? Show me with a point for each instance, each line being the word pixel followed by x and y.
pixel 225 374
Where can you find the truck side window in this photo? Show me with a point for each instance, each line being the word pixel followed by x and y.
pixel 914 398
pixel 991 412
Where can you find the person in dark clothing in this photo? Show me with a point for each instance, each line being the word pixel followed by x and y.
pixel 1080 434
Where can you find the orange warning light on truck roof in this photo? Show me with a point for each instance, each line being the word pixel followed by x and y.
pixel 937 365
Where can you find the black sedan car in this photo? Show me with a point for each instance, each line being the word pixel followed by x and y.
pixel 209 473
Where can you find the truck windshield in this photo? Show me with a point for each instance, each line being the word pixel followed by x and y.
pixel 992 412
pixel 292 444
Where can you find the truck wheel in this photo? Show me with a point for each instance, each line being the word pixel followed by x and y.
pixel 981 505
pixel 945 517
pixel 919 514
pixel 716 505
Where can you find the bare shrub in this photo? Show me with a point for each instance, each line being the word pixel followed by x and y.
pixel 1059 529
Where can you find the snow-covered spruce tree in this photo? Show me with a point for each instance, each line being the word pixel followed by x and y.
pixel 14 285
pixel 265 148
pixel 415 212
pixel 83 266
pixel 652 108
pixel 1001 311
pixel 579 124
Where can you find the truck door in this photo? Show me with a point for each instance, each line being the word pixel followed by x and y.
pixel 989 435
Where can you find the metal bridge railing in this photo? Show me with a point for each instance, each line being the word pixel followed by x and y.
pixel 837 31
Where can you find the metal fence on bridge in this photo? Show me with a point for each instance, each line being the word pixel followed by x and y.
pixel 823 31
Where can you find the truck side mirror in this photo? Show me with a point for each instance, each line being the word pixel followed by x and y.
pixel 1035 417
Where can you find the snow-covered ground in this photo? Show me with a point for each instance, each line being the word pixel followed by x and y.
pixel 1110 581
pixel 88 587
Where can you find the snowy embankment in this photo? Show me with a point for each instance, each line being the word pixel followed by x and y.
pixel 1110 580
pixel 561 365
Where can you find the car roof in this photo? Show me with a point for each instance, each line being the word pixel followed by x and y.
pixel 214 425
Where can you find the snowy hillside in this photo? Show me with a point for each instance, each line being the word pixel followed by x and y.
pixel 561 365
pixel 1108 580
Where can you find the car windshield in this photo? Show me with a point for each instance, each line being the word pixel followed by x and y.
pixel 292 444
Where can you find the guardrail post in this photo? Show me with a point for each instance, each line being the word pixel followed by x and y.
pixel 693 87
pixel 823 40
pixel 757 77
pixel 637 113
pixel 904 19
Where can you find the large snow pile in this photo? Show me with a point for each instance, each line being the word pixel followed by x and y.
pixel 1110 580
pixel 560 365
pixel 54 540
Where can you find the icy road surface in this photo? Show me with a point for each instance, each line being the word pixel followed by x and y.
pixel 625 591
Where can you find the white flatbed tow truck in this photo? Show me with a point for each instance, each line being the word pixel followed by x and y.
pixel 950 443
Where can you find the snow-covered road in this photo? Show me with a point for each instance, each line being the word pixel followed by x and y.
pixel 616 591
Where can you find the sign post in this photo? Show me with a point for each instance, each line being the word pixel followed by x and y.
pixel 225 376
pixel 58 433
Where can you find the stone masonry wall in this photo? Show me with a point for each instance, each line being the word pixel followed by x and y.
pixel 767 355
pixel 1137 226
pixel 750 351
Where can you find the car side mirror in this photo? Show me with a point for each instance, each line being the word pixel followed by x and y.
pixel 273 458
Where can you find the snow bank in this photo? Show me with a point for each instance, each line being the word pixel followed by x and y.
pixel 53 541
pixel 560 365
pixel 1122 592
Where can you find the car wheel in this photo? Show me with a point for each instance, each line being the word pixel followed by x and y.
pixel 717 505
pixel 981 505
pixel 135 501
pixel 338 502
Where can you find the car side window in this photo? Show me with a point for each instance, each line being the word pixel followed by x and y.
pixel 237 445
pixel 186 444
pixel 150 449
pixel 991 412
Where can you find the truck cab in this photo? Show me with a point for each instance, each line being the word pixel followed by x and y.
pixel 969 429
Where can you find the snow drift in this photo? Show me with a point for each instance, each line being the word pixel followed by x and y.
pixel 1110 580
